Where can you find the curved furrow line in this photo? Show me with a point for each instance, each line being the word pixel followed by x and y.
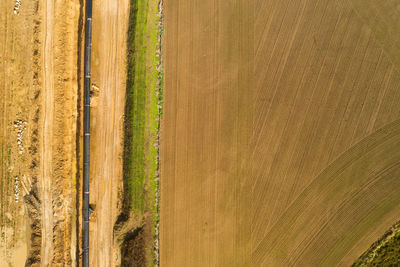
pixel 340 182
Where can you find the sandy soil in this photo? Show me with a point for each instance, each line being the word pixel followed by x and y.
pixel 39 85
pixel 345 89
pixel 59 130
pixel 110 20
pixel 315 179
pixel 39 55
pixel 17 109
pixel 47 148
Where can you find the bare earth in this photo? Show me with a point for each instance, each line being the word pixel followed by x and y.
pixel 110 19
pixel 47 148
pixel 58 158
pixel 39 85
pixel 205 133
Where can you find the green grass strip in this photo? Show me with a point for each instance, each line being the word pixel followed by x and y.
pixel 142 112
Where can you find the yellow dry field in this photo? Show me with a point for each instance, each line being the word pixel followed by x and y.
pixel 280 141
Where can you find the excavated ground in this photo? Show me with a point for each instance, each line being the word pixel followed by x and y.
pixel 38 88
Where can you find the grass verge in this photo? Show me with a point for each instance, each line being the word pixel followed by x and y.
pixel 384 252
pixel 142 117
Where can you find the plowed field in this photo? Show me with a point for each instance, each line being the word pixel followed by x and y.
pixel 280 135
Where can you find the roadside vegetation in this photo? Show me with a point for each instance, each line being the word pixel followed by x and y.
pixel 141 133
pixel 384 252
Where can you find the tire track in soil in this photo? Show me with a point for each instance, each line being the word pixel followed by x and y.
pixel 46 155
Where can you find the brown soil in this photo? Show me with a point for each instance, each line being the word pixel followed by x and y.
pixel 43 91
pixel 133 249
pixel 33 206
pixel 280 131
pixel 110 19
pixel 205 131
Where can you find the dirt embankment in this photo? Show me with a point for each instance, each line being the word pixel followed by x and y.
pixel 38 87
pixel 110 20
pixel 61 83
pixel 280 133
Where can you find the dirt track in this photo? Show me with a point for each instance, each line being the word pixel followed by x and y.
pixel 43 92
pixel 47 148
pixel 281 131
pixel 110 20
pixel 59 131
pixel 45 98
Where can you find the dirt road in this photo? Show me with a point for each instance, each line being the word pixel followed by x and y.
pixel 40 86
pixel 58 132
pixel 47 148
pixel 110 20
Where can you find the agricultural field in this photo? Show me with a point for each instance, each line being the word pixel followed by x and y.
pixel 222 133
pixel 280 137
pixel 110 20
